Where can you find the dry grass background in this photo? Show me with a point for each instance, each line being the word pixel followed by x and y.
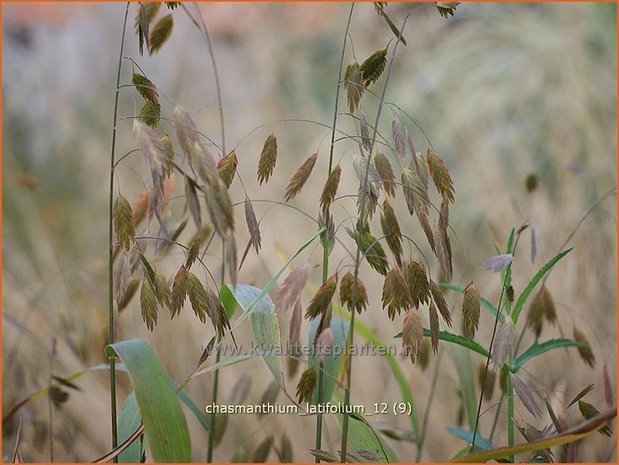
pixel 502 91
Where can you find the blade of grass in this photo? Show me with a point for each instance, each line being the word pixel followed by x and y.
pixel 522 298
pixel 164 421
pixel 538 349
pixel 455 339
pixel 363 437
pixel 331 365
pixel 128 421
pixel 264 323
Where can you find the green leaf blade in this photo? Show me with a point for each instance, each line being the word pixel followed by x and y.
pixel 128 421
pixel 522 298
pixel 164 421
pixel 264 323
pixel 538 349
pixel 361 436
pixel 332 363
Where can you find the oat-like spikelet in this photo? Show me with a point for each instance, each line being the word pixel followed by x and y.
pixel 398 138
pixel 372 250
pixel 123 222
pixel 525 394
pixel 194 246
pixel 415 191
pixel 353 85
pixel 373 66
pixel 542 307
pixel 330 189
pixel 364 129
pixel 396 296
pixel 148 304
pixel 418 284
pixel 192 202
pixel 189 139
pixel 585 352
pixel 412 334
pixel 502 345
pixel 589 411
pixel 471 305
pixel 443 244
pixel 252 225
pixel 306 385
pixel 440 175
pixel 145 88
pixel 385 172
pixel 197 296
pixel 160 33
pixel 300 177
pixel 353 293
pixel 369 179
pixel 162 290
pixel 268 157
pixel 440 302
pixel 226 167
pixel 219 207
pixel 322 299
pixel 179 291
pixel 217 313
pixel 150 113
pixel 391 230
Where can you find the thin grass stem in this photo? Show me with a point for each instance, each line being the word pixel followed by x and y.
pixel 325 249
pixel 351 330
pixel 111 316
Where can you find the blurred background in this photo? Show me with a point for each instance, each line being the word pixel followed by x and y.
pixel 504 92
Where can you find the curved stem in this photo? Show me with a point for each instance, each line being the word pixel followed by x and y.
pixel 112 322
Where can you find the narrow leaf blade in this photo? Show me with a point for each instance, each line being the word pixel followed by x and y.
pixel 164 421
